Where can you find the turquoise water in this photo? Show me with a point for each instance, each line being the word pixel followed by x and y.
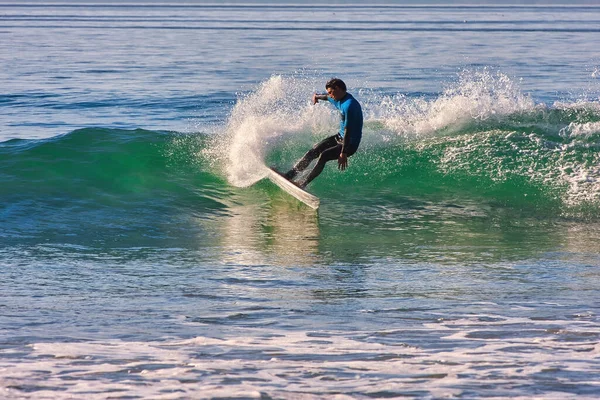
pixel 144 255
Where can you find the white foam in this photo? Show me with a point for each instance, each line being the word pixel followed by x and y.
pixel 581 129
pixel 477 95
pixel 483 354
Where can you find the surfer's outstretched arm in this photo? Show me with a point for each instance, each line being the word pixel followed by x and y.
pixel 316 97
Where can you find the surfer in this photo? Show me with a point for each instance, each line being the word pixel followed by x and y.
pixel 339 146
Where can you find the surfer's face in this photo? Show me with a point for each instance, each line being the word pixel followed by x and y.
pixel 336 93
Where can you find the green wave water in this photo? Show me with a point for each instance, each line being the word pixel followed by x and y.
pixel 480 149
pixel 544 161
pixel 99 185
pixel 98 165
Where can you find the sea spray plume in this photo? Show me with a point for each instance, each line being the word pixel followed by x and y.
pixel 278 107
pixel 477 96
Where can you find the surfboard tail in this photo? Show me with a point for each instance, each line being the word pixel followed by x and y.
pixel 292 189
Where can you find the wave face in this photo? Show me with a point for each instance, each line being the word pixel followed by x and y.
pixel 481 142
pixel 100 184
pixel 482 139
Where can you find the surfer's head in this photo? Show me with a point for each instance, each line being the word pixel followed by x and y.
pixel 336 88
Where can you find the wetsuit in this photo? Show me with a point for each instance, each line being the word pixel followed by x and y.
pixel 346 140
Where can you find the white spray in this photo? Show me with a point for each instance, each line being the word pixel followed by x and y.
pixel 278 108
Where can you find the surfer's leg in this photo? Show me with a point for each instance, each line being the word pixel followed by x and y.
pixel 311 155
pixel 330 154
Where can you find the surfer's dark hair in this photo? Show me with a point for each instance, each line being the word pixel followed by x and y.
pixel 335 83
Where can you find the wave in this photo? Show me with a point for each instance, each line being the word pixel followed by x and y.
pixel 482 140
pixel 482 137
pixel 107 175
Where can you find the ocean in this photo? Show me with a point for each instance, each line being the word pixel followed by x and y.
pixel 143 254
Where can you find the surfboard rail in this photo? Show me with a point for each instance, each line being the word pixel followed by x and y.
pixel 290 188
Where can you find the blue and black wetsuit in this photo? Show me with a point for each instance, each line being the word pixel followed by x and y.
pixel 351 121
pixel 345 141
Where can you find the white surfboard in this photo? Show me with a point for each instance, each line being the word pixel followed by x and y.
pixel 293 190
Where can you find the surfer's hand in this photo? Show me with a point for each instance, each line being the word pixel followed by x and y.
pixel 343 161
pixel 315 99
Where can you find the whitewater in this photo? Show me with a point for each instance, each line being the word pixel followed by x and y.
pixel 143 254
